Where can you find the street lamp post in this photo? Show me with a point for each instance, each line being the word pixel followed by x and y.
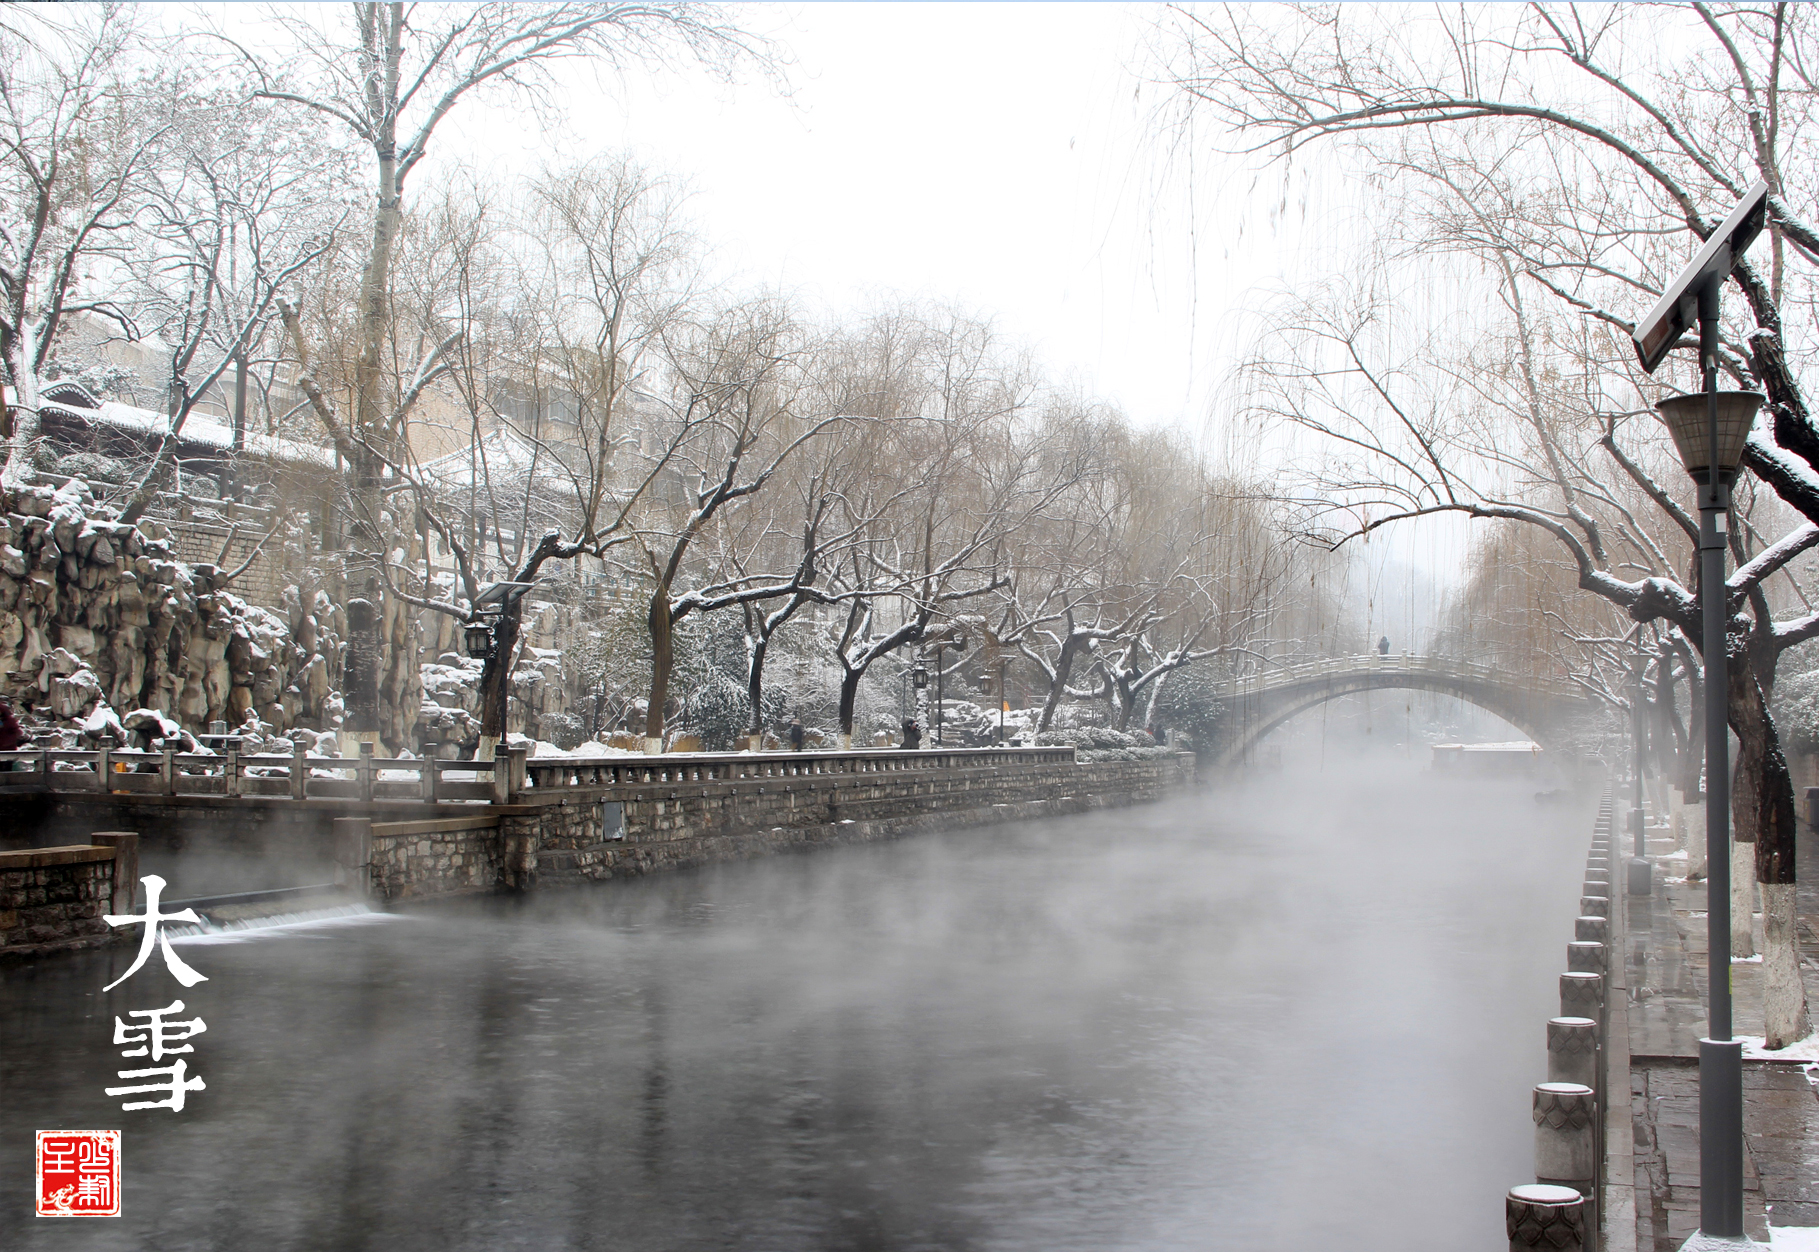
pixel 958 643
pixel 920 682
pixel 1711 450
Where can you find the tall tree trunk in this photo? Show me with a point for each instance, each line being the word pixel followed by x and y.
pixel 21 409
pixel 754 687
pixel 1064 668
pixel 1126 701
pixel 496 676
pixel 849 700
pixel 398 658
pixel 1748 721
pixel 663 661
pixel 1763 822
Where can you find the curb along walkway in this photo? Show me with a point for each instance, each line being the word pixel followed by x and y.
pixel 1666 975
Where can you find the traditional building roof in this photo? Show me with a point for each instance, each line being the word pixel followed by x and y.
pixel 71 404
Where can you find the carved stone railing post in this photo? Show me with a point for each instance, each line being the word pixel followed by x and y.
pixel 515 770
pixel 299 771
pixel 363 772
pixel 1539 1216
pixel 1572 1050
pixel 1592 929
pixel 1583 957
pixel 1582 995
pixel 1566 1142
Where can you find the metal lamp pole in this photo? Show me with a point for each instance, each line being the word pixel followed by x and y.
pixel 1720 1056
pixel 1711 456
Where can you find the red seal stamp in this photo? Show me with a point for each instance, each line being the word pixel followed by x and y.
pixel 78 1173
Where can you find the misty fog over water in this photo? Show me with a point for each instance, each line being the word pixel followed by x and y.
pixel 1300 1012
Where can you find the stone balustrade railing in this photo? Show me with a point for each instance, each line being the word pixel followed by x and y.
pixel 512 776
pixel 297 776
pixel 1562 1209
pixel 696 767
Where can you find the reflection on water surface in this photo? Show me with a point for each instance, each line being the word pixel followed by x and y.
pixel 1228 1021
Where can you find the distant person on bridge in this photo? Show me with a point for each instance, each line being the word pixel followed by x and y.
pixel 1383 646
pixel 912 733
pixel 796 734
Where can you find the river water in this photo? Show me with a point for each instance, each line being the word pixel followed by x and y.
pixel 1301 1014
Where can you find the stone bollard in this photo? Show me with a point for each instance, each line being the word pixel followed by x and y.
pixel 1584 957
pixel 1582 995
pixel 1540 1216
pixel 1566 1145
pixel 1594 905
pixel 1572 1051
pixel 1592 929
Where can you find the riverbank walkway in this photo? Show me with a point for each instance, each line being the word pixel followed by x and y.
pixel 1666 975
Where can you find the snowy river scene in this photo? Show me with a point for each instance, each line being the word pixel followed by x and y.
pixel 908 627
pixel 1107 1031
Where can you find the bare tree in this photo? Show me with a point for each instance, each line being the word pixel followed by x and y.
pixel 1637 166
pixel 71 146
pixel 737 425
pixel 390 74
pixel 234 204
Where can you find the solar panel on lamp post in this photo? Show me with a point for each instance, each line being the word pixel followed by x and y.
pixel 1711 452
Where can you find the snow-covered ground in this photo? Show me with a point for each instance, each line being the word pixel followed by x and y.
pixel 1806 1049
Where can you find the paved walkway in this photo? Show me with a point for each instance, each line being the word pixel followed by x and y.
pixel 1665 942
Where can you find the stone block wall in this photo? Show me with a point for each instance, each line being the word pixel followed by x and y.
pixel 200 542
pixel 405 850
pixel 54 898
pixel 673 825
pixel 413 860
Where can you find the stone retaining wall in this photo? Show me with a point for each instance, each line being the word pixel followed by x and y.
pixel 53 899
pixel 414 860
pixel 399 850
pixel 672 826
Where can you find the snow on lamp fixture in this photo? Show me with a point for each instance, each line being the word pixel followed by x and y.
pixel 479 640
pixel 1687 417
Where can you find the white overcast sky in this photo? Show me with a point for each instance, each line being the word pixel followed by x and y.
pixel 996 156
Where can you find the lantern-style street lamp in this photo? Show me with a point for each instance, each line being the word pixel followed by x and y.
pixel 1711 452
pixel 490 607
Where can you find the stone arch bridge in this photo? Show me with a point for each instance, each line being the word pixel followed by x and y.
pixel 1258 703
